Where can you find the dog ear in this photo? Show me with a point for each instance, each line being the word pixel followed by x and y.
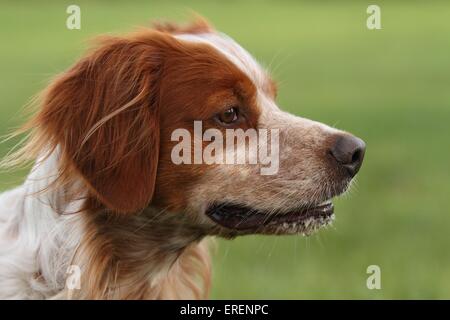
pixel 103 114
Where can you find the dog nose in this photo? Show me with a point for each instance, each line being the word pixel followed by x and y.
pixel 349 152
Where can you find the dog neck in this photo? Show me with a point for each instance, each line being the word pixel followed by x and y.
pixel 148 255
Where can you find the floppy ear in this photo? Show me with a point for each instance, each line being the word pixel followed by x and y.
pixel 104 116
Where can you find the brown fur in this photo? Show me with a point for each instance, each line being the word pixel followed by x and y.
pixel 104 115
pixel 110 118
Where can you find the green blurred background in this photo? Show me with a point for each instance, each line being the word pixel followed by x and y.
pixel 391 87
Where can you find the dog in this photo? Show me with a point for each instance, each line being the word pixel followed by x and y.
pixel 105 213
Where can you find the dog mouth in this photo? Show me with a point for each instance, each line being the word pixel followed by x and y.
pixel 243 219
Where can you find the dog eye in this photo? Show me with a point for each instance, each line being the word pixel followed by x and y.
pixel 229 116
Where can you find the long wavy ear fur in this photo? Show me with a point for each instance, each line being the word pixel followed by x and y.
pixel 103 116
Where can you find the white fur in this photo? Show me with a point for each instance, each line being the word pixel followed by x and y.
pixel 36 243
pixel 232 51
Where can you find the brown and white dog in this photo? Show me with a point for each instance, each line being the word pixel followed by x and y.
pixel 105 196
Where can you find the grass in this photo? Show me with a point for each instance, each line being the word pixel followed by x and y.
pixel 389 86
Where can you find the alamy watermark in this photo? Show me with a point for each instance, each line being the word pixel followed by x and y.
pixel 73 21
pixel 374 20
pixel 237 146
pixel 374 280
pixel 73 280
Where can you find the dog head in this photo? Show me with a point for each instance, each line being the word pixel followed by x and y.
pixel 115 115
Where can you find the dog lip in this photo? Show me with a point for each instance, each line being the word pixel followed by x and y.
pixel 243 218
